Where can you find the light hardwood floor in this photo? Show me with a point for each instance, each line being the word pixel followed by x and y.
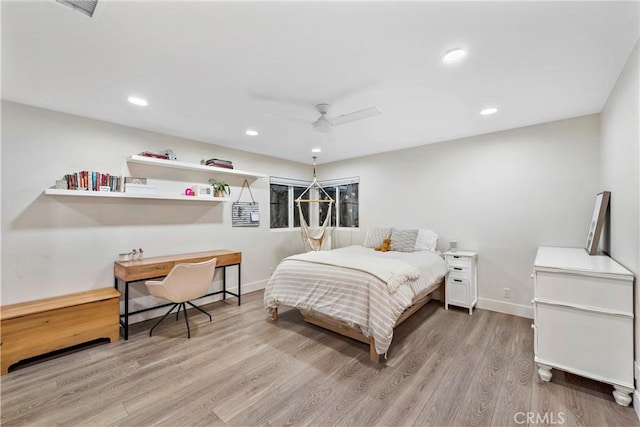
pixel 444 368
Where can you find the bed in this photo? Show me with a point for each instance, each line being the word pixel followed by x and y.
pixel 357 291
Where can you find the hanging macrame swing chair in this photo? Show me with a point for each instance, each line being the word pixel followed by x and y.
pixel 314 241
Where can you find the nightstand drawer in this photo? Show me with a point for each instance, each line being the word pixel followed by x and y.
pixel 458 261
pixel 464 272
pixel 458 291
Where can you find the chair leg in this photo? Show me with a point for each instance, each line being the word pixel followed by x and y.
pixel 186 319
pixel 178 312
pixel 199 309
pixel 163 317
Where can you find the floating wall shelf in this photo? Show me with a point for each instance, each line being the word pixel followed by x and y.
pixel 176 164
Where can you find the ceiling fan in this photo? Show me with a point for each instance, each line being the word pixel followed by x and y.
pixel 326 124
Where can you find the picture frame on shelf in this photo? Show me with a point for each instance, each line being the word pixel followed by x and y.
pixel 597 222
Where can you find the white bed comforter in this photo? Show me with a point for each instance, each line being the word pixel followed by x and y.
pixel 328 284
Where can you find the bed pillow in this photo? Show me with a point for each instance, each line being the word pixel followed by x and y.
pixel 427 240
pixel 375 236
pixel 403 240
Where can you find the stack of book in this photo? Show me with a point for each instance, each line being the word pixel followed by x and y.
pixel 219 163
pixel 93 181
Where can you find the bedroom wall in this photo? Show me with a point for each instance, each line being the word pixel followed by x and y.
pixel 58 245
pixel 620 162
pixel 501 194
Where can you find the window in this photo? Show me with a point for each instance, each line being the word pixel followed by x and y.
pixel 345 212
pixel 284 210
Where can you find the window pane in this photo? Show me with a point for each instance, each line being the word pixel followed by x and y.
pixel 324 207
pixel 297 191
pixel 349 215
pixel 279 210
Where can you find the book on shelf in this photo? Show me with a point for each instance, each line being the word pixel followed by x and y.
pixel 220 163
pixel 92 181
pixel 162 156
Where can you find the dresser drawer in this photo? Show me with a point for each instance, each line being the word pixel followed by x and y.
pixel 458 261
pixel 585 342
pixel 584 290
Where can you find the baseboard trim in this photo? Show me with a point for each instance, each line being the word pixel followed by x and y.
pixel 636 403
pixel 506 307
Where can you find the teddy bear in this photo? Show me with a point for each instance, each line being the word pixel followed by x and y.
pixel 385 246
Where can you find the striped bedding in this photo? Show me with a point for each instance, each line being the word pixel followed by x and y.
pixel 352 295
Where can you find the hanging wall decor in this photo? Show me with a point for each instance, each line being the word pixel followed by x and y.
pixel 245 214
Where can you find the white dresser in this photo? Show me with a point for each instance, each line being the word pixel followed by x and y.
pixel 461 285
pixel 583 317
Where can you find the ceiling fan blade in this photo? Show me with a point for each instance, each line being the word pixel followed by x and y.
pixel 356 115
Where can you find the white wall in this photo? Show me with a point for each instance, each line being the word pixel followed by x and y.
pixel 502 194
pixel 620 161
pixel 58 245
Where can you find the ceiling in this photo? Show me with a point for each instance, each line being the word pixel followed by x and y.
pixel 212 70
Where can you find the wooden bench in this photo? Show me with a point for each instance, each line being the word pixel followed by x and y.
pixel 34 328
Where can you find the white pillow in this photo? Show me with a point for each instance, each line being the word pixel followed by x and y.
pixel 427 240
pixel 375 236
pixel 403 240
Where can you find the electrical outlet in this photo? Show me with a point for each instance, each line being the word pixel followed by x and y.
pixel 506 293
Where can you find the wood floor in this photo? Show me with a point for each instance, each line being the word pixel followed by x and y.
pixel 445 368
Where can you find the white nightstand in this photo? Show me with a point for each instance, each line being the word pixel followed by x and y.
pixel 461 288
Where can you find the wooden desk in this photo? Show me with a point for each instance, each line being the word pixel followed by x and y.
pixel 153 268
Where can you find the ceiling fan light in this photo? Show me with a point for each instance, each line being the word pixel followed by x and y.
pixel 322 125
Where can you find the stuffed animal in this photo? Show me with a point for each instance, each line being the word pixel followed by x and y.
pixel 385 246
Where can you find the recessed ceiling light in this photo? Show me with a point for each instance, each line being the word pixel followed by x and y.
pixel 454 55
pixel 251 132
pixel 138 101
pixel 489 111
pixel 317 150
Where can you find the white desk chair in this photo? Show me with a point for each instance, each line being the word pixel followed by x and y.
pixel 184 283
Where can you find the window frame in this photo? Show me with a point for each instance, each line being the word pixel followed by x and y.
pixel 313 214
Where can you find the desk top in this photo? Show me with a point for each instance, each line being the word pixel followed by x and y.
pixel 148 268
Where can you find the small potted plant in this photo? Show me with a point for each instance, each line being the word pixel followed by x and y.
pixel 220 189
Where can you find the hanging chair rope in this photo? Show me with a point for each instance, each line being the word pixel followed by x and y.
pixel 313 242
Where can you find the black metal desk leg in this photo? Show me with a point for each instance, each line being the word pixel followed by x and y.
pixel 126 311
pixel 224 282
pixel 239 281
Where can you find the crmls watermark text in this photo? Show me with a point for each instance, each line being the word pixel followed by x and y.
pixel 539 418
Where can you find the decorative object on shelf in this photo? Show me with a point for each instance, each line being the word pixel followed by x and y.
pixel 134 180
pixel 61 184
pixel 202 190
pixel 105 188
pixel 188 192
pixel 453 245
pixel 169 153
pixel 139 189
pixel 597 221
pixel 221 189
pixel 140 252
pixel 245 214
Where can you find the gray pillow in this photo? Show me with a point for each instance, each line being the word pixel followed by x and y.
pixel 403 240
